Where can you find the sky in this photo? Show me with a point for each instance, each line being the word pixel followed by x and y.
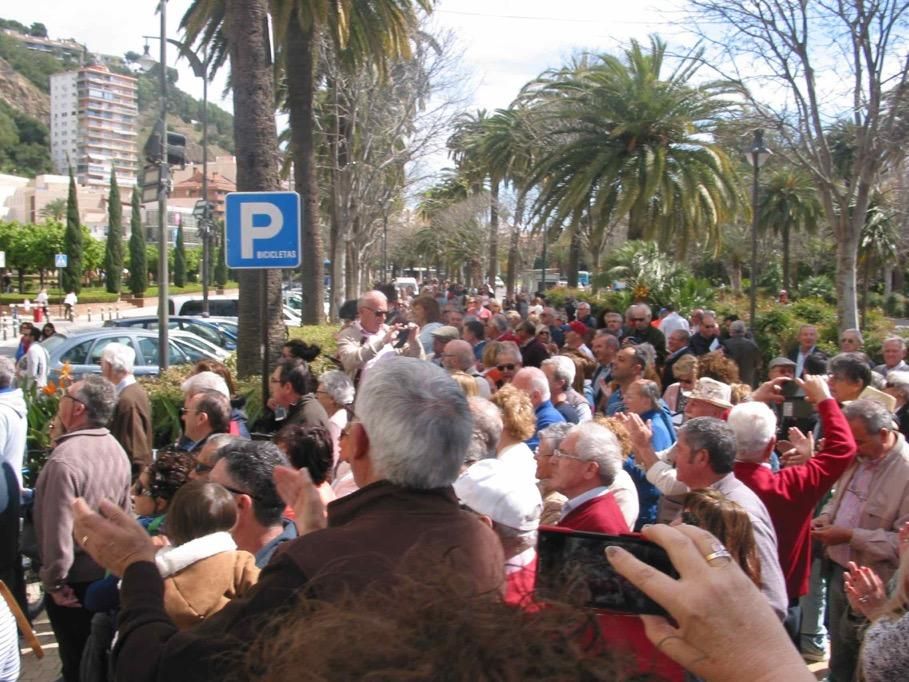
pixel 505 42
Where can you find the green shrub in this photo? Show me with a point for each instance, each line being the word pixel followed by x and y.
pixel 818 286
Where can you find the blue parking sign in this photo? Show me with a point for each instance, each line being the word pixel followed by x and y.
pixel 262 230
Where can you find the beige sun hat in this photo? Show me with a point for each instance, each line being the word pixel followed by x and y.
pixel 713 392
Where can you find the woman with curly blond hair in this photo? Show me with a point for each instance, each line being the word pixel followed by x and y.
pixel 717 366
pixel 519 423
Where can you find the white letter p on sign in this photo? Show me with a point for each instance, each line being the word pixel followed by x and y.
pixel 249 233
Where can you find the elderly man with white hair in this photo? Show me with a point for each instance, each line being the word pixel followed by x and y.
pixel 511 505
pixel 584 466
pixel 369 339
pixel 792 494
pixel 534 383
pixel 893 350
pixel 641 331
pixel 560 371
pixel 132 421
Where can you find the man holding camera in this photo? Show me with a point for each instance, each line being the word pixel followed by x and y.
pixel 365 341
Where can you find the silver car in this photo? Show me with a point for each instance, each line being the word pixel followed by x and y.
pixel 83 350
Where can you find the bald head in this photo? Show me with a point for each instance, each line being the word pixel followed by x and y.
pixel 534 383
pixel 457 356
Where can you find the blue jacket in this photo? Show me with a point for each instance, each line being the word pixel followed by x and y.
pixel 648 494
pixel 546 415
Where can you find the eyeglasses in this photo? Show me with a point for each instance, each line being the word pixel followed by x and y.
pixel 374 311
pixel 141 490
pixel 202 467
pixel 544 334
pixel 237 491
pixel 187 410
pixel 638 319
pixel 558 454
pixel 508 367
pixel 74 399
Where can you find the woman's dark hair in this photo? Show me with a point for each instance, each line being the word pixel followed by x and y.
pixel 348 310
pixel 296 372
pixel 309 447
pixel 430 307
pixel 48 330
pixel 730 523
pixel 217 368
pixel 200 508
pixel 168 473
pixel 301 349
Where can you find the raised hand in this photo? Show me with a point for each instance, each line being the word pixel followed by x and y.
pixel 298 491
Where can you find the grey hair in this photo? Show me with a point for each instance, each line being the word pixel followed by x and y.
pixel 648 313
pixel 651 391
pixel 897 380
pixel 218 440
pixel 204 381
pixel 851 367
pixel 120 357
pixel 487 430
pixel 338 386
pixel 681 334
pixel 716 437
pixel 373 294
pixel 537 380
pixel 500 322
pixel 417 420
pixel 878 380
pixel 737 328
pixel 857 332
pixel 510 348
pixel 7 372
pixel 555 433
pixel 563 368
pixel 611 339
pixel 872 414
pixel 649 352
pixel 598 444
pixel 895 339
pixel 754 425
pixel 99 397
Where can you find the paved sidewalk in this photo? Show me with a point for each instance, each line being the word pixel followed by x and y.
pixel 46 669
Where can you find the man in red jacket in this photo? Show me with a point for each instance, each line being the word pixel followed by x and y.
pixel 792 494
pixel 583 468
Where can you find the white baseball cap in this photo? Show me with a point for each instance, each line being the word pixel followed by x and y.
pixel 501 492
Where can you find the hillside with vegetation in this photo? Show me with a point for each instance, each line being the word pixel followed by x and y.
pixel 25 104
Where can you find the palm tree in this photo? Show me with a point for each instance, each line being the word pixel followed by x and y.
pixel 877 246
pixel 624 142
pixel 54 209
pixel 790 204
pixel 238 29
pixel 362 31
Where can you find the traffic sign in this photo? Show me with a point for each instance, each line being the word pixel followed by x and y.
pixel 60 260
pixel 262 230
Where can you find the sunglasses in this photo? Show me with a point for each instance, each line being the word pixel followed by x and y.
pixel 509 367
pixel 237 491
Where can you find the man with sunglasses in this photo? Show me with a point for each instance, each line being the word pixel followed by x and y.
pixel 363 343
pixel 87 463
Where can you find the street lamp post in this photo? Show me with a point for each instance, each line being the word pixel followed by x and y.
pixel 163 322
pixel 756 156
pixel 205 218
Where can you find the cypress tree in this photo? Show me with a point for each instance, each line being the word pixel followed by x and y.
pixel 138 263
pixel 220 273
pixel 72 241
pixel 113 258
pixel 180 259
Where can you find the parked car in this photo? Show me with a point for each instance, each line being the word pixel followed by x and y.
pixel 83 350
pixel 213 330
pixel 223 306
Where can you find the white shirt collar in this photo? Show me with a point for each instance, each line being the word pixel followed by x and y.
pixel 576 502
pixel 128 380
pixel 519 561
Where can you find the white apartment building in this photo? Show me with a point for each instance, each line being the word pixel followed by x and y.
pixel 93 125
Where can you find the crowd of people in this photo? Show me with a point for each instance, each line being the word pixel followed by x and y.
pixel 402 495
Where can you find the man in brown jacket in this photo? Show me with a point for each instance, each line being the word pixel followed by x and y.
pixel 405 450
pixel 132 422
pixel 87 463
